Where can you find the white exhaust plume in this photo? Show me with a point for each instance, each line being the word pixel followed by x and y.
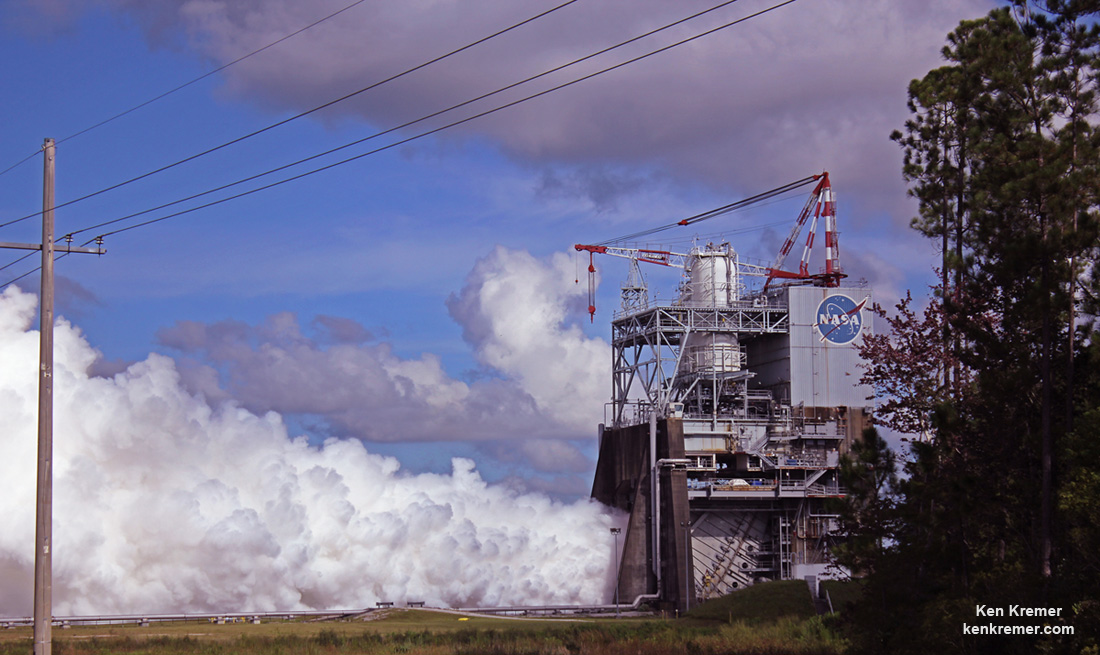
pixel 164 503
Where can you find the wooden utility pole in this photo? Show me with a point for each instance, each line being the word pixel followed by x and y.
pixel 43 569
pixel 43 539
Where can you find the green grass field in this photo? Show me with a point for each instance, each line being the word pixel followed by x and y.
pixel 768 619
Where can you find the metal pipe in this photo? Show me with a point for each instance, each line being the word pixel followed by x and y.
pixel 618 568
pixel 687 593
pixel 655 501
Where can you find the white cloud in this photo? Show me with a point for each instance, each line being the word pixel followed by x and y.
pixel 518 312
pixel 811 86
pixel 166 502
pixel 361 390
pixel 515 311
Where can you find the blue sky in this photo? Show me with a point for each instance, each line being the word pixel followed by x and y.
pixel 442 266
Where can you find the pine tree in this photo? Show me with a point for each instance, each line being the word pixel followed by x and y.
pixel 1003 156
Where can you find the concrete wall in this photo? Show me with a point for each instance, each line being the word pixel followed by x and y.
pixel 676 559
pixel 623 481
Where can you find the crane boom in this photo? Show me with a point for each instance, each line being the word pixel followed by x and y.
pixel 635 255
pixel 821 204
pixel 660 258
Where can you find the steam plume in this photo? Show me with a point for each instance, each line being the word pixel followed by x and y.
pixel 164 502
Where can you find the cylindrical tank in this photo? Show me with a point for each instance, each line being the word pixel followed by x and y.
pixel 712 278
pixel 712 282
pixel 710 353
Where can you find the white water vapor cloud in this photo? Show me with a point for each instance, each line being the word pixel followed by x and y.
pixel 167 501
pixel 361 390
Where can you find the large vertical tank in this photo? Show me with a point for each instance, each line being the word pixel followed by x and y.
pixel 712 278
pixel 712 282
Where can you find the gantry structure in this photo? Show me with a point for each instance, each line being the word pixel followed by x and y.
pixel 730 410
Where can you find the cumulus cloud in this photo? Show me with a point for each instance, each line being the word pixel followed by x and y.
pixel 364 390
pixel 514 311
pixel 167 502
pixel 518 312
pixel 807 87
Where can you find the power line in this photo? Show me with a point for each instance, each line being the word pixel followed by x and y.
pixel 439 129
pixel 187 84
pixel 14 280
pixel 718 211
pixel 423 134
pixel 741 230
pixel 28 273
pixel 408 123
pixel 13 263
pixel 302 114
pixel 68 250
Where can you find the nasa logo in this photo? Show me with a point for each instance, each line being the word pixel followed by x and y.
pixel 840 319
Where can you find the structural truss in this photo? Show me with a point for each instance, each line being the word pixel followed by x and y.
pixel 647 346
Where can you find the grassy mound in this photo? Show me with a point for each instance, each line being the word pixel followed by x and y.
pixel 761 603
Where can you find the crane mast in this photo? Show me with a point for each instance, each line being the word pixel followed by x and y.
pixel 821 204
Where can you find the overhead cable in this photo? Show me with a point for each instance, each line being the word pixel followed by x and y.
pixel 420 135
pixel 187 84
pixel 302 114
pixel 28 273
pixel 429 132
pixel 408 123
pixel 13 263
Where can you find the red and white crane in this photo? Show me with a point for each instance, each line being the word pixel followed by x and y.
pixel 634 290
pixel 821 204
pixel 635 255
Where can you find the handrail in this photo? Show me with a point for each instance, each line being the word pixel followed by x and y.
pixel 775 304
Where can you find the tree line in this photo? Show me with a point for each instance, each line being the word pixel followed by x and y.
pixel 995 379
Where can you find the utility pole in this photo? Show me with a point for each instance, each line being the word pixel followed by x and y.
pixel 43 535
pixel 44 513
pixel 43 538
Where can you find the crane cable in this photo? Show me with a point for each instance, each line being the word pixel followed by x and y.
pixel 690 220
pixel 717 211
